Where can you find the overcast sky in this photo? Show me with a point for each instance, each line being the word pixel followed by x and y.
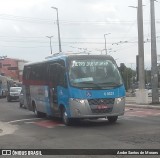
pixel 24 25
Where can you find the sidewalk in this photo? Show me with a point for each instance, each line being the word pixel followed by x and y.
pixel 131 102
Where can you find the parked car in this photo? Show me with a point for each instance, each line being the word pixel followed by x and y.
pixel 13 93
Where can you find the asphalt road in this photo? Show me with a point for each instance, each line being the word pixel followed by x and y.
pixel 20 129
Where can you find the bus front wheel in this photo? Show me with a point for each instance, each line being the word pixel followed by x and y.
pixel 67 121
pixel 112 119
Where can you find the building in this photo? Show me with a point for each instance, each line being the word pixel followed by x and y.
pixel 12 68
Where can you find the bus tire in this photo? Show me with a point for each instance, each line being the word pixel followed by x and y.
pixel 67 121
pixel 37 113
pixel 112 119
pixel 20 105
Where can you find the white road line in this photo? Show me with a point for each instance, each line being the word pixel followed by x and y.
pixel 24 120
pixel 29 122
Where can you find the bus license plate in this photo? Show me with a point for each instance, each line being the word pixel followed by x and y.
pixel 102 107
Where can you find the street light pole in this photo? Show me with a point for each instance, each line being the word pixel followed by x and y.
pixel 59 38
pixel 105 41
pixel 50 38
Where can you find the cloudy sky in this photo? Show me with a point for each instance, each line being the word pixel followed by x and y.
pixel 24 25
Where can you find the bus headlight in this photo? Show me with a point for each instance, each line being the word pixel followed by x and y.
pixel 118 100
pixel 82 101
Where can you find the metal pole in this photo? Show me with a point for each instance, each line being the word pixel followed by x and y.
pixel 154 69
pixel 140 45
pixel 59 38
pixel 105 41
pixel 141 93
pixel 105 44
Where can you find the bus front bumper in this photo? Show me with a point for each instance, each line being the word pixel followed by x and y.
pixel 80 108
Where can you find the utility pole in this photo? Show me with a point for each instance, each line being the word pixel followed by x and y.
pixel 141 93
pixel 59 38
pixel 154 69
pixel 105 41
pixel 141 46
pixel 50 38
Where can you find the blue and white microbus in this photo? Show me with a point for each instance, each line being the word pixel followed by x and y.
pixel 74 87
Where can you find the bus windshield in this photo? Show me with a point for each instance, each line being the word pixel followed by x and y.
pixel 94 74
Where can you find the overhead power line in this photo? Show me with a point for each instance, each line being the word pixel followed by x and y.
pixel 26 19
pixel 65 22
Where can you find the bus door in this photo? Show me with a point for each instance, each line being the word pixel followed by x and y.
pixel 27 76
pixel 53 82
pixel 28 97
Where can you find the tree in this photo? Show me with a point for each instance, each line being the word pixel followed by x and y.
pixel 128 76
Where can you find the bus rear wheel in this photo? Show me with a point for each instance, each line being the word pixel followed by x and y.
pixel 20 105
pixel 112 119
pixel 67 121
pixel 37 113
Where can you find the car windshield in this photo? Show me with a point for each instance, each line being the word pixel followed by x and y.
pixel 15 89
pixel 94 73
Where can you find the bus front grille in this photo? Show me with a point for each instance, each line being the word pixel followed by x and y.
pixel 104 105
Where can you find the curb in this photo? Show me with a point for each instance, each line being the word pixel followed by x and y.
pixel 134 105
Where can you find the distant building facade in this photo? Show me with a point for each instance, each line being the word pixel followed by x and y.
pixel 12 68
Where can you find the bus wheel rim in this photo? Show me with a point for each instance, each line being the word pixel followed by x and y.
pixel 65 117
pixel 35 110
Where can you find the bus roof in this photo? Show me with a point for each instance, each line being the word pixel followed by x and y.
pixel 72 56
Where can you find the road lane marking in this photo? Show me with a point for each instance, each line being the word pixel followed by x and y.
pixel 23 120
pixel 29 122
